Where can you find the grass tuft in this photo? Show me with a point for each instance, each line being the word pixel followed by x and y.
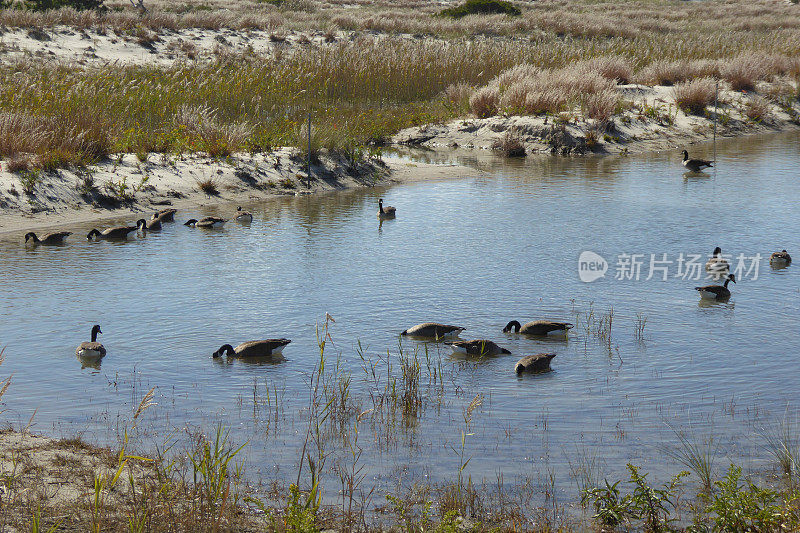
pixel 208 186
pixel 694 96
pixel 510 145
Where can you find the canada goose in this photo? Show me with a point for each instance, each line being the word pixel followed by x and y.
pixel 152 224
pixel 534 363
pixel 385 212
pixel 781 258
pixel 116 233
pixel 433 330
pixel 717 264
pixel 477 347
pixel 263 348
pixel 538 327
pixel 716 292
pixel 165 215
pixel 243 216
pixel 695 165
pixel 93 348
pixel 206 223
pixel 48 238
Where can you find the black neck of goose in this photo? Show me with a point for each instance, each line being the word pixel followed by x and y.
pixel 94 333
pixel 225 349
pixel 726 283
pixel 513 325
pixel 33 236
pixel 92 233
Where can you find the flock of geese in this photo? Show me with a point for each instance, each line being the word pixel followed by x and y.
pixel 271 349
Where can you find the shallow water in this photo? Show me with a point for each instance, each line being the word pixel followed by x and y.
pixel 472 252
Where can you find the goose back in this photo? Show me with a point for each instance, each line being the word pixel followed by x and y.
pixel 433 330
pixel 534 363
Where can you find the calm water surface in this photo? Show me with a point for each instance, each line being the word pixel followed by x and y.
pixel 473 252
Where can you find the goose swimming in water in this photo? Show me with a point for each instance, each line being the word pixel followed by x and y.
pixel 91 349
pixel 480 347
pixel 385 212
pixel 695 165
pixel 433 330
pixel 154 224
pixel 117 233
pixel 48 239
pixel 716 292
pixel 206 222
pixel 265 348
pixel 243 216
pixel 165 215
pixel 717 265
pixel 534 363
pixel 538 327
pixel 780 259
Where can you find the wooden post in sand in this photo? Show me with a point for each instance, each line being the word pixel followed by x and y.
pixel 308 159
pixel 716 97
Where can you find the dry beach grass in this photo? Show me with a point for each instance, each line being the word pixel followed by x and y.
pixel 372 79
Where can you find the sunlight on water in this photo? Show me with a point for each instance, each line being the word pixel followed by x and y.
pixel 471 252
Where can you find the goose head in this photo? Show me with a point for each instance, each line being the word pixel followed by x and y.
pixel 190 222
pixel 717 251
pixel 730 278
pixel 141 224
pixel 95 331
pixel 32 235
pixel 512 325
pixel 685 155
pixel 224 349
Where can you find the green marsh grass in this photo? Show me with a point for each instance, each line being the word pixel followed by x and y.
pixel 782 441
pixel 696 454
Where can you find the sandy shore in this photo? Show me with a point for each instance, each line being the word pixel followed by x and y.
pixel 67 197
pixel 651 123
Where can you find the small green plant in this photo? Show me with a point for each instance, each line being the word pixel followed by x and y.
pixel 298 516
pixel 86 183
pixel 287 183
pixel 211 465
pixel 120 190
pixel 482 7
pixel 650 506
pixel 591 139
pixel 142 184
pixel 29 179
pixel 739 506
pixel 610 509
pixel 36 524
